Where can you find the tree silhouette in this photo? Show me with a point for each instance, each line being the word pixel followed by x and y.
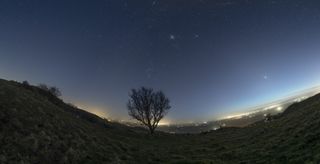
pixel 43 87
pixel 51 90
pixel 25 83
pixel 55 91
pixel 148 107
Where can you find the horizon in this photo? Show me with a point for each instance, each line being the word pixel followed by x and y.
pixel 251 109
pixel 293 97
pixel 210 58
pixel 240 112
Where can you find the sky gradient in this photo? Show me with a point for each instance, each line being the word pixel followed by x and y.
pixel 210 57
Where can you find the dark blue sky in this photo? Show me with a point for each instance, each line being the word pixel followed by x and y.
pixel 210 57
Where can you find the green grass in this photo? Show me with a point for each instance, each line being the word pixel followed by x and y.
pixel 36 127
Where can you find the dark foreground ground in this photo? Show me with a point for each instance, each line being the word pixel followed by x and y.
pixel 36 127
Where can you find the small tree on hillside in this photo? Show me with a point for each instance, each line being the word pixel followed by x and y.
pixel 55 91
pixel 43 87
pixel 52 90
pixel 148 107
pixel 25 83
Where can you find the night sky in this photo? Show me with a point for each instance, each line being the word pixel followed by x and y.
pixel 210 57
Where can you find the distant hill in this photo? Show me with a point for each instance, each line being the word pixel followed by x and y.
pixel 37 127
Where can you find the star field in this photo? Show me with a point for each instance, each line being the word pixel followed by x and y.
pixel 209 57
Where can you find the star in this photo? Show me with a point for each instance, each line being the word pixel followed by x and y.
pixel 265 77
pixel 154 3
pixel 172 37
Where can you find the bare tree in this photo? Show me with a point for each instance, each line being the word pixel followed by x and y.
pixel 43 87
pixel 148 107
pixel 52 90
pixel 55 91
pixel 25 83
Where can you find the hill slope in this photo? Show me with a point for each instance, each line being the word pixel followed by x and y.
pixel 36 127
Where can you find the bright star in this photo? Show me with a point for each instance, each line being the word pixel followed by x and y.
pixel 172 37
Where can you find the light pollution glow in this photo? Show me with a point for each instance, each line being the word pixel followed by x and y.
pixel 277 106
pixel 99 111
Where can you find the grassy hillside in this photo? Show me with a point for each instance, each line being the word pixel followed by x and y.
pixel 36 127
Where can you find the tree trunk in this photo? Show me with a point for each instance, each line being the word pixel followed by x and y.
pixel 151 130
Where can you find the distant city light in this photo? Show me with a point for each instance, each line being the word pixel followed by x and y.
pixel 279 108
pixel 164 123
pixel 215 128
